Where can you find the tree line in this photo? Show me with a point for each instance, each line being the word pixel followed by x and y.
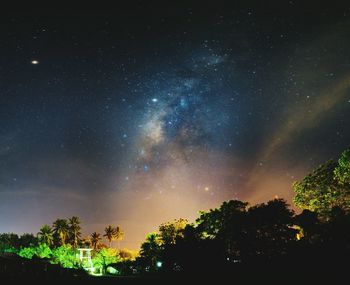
pixel 237 235
pixel 62 232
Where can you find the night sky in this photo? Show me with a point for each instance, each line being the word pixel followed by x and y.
pixel 137 115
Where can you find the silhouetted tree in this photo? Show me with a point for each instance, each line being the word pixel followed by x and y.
pixel 169 232
pixel 95 239
pixel 61 230
pixel 45 235
pixel 270 229
pixel 225 225
pixel 27 239
pixel 74 230
pixel 110 234
pixel 310 225
pixel 119 235
pixel 151 250
pixel 9 241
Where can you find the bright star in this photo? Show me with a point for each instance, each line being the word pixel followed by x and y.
pixel 154 100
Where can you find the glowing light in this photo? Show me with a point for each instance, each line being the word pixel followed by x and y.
pixel 206 189
pixel 34 62
pixel 159 264
pixel 112 270
pixel 154 131
pixel 154 100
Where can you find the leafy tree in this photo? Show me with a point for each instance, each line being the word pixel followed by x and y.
pixel 74 230
pixel 95 239
pixel 270 231
pixel 126 254
pixel 9 242
pixel 326 187
pixel 104 257
pixel 65 255
pixel 231 232
pixel 85 242
pixel 224 227
pixel 342 171
pixel 169 232
pixel 27 240
pixel 61 230
pixel 45 235
pixel 27 252
pixel 151 250
pixel 214 222
pixel 43 251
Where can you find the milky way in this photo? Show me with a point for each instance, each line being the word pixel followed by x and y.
pixel 155 113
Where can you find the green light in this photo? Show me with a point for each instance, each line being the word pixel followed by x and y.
pixel 112 270
pixel 159 264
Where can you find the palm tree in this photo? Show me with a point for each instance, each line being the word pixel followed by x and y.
pixel 74 230
pixel 95 239
pixel 119 235
pixel 45 234
pixel 61 230
pixel 110 234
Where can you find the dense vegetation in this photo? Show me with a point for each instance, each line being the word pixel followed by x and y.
pixel 235 235
pixel 59 245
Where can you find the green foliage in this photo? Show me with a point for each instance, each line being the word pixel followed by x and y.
pixel 104 257
pixel 342 171
pixel 326 187
pixel 9 242
pixel 65 255
pixel 27 252
pixel 43 251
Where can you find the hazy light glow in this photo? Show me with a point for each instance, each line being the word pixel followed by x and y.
pixel 135 121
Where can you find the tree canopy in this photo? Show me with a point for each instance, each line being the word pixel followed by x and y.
pixel 326 187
